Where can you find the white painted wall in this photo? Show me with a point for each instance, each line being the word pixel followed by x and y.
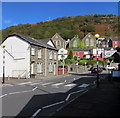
pixel 8 63
pixel 20 62
pixel 50 43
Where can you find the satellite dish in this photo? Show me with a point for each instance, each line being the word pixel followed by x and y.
pixel 62 51
pixel 62 54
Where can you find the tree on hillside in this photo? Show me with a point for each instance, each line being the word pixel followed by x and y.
pixel 70 55
pixel 81 44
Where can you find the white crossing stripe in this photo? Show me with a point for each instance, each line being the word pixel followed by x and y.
pixel 57 84
pixel 70 85
pixel 47 83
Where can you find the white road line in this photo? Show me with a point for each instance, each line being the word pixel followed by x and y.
pixel 24 83
pixel 47 83
pixel 9 85
pixel 72 93
pixel 35 114
pixel 35 83
pixel 23 91
pixel 57 84
pixel 69 85
pixel 3 95
pixel 84 85
pixel 67 97
pixel 53 104
pixel 35 88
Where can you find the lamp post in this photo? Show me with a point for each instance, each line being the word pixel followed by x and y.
pixel 63 63
pixel 85 66
pixel 97 36
pixel 3 45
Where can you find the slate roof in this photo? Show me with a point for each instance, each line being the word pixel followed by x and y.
pixel 88 35
pixel 80 49
pixel 32 41
pixel 115 39
pixel 45 41
pixel 58 36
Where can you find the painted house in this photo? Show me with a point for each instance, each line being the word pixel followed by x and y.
pixel 74 42
pixel 81 53
pixel 100 54
pixel 114 42
pixel 59 42
pixel 27 57
pixel 89 40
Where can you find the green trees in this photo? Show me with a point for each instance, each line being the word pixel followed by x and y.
pixel 70 55
pixel 67 27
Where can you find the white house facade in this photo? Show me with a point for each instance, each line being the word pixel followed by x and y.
pixel 27 57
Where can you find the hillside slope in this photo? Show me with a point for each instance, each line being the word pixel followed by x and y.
pixel 68 27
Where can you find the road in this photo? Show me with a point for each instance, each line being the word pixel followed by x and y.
pixel 44 97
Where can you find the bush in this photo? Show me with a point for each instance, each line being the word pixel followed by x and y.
pixel 69 61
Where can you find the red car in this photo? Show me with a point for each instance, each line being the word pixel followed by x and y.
pixel 94 70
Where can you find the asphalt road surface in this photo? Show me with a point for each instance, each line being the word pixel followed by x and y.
pixel 43 98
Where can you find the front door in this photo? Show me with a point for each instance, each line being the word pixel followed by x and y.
pixel 32 68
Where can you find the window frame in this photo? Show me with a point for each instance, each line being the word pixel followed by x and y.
pixel 32 51
pixel 39 54
pixel 39 67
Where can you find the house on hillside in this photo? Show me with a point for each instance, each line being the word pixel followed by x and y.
pixel 116 56
pixel 81 53
pixel 89 40
pixel 103 43
pixel 74 42
pixel 27 57
pixel 114 42
pixel 59 41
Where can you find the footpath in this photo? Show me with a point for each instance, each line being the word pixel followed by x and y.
pixel 97 102
pixel 45 79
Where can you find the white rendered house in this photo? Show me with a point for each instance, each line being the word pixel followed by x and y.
pixel 21 57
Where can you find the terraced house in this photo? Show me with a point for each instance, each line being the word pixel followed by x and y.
pixel 27 57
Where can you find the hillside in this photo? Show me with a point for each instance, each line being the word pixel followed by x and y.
pixel 68 27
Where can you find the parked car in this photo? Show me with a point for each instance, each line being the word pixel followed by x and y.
pixel 103 68
pixel 110 67
pixel 94 70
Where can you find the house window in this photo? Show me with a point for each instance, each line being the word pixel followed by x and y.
pixel 50 55
pixel 55 43
pixel 39 53
pixel 58 43
pixel 78 53
pixel 50 67
pixel 32 51
pixel 87 42
pixel 55 55
pixel 75 43
pixel 39 67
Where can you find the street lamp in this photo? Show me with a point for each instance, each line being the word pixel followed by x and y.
pixel 97 36
pixel 63 63
pixel 3 45
pixel 85 66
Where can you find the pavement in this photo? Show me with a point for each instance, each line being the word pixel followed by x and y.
pixel 18 81
pixel 97 102
pixel 22 80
